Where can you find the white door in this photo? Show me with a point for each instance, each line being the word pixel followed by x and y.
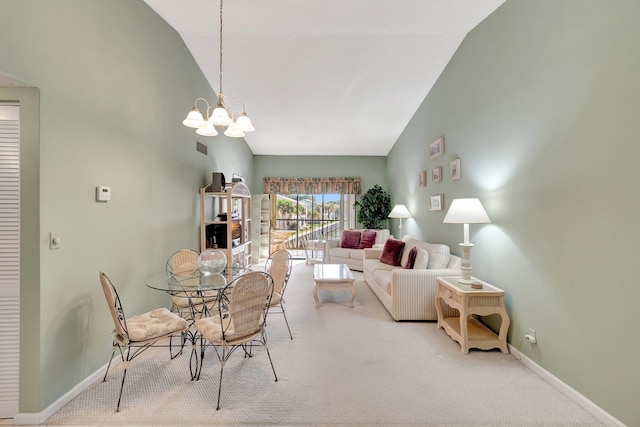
pixel 9 259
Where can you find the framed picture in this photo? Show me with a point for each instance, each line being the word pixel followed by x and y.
pixel 436 202
pixel 436 174
pixel 436 148
pixel 454 170
pixel 422 179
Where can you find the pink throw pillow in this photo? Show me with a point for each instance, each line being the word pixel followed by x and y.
pixel 367 240
pixel 392 252
pixel 350 239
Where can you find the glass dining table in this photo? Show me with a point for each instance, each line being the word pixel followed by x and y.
pixel 201 292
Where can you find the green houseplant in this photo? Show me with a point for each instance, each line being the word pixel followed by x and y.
pixel 373 208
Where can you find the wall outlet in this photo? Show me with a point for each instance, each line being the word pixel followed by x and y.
pixel 531 336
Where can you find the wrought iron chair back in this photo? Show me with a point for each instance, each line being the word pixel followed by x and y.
pixel 115 307
pixel 279 266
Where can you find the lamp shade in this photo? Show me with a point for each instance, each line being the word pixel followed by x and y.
pixel 399 211
pixel 194 119
pixel 207 129
pixel 466 211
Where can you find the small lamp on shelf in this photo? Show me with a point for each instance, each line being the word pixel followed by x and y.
pixel 400 211
pixel 466 211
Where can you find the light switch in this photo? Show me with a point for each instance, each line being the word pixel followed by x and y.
pixel 54 241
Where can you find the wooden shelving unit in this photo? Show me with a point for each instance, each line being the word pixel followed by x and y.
pixel 261 217
pixel 225 222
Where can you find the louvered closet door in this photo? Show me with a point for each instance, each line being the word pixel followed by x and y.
pixel 9 259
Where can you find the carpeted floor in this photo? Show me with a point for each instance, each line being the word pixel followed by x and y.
pixel 344 367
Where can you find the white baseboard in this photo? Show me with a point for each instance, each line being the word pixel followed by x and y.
pixel 30 419
pixel 571 393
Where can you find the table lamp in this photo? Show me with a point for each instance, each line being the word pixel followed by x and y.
pixel 466 211
pixel 400 211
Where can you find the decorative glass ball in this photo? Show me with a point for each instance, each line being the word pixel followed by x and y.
pixel 212 261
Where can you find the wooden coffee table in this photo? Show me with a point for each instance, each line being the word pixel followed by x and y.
pixel 333 277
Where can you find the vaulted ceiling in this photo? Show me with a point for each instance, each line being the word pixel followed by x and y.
pixel 330 77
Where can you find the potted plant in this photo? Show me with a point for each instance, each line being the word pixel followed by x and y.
pixel 373 208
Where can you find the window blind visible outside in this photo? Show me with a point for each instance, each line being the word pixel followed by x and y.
pixel 9 259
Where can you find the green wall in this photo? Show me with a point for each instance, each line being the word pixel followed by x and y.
pixel 541 104
pixel 114 83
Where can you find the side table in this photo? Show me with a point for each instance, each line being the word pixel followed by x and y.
pixel 314 251
pixel 466 329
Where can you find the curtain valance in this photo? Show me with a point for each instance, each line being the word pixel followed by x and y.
pixel 333 185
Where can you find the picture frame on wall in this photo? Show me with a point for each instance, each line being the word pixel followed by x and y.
pixel 436 174
pixel 436 148
pixel 454 170
pixel 422 179
pixel 436 202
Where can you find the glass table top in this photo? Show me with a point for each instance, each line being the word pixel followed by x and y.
pixel 193 280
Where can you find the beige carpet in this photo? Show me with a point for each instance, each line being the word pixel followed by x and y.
pixel 344 367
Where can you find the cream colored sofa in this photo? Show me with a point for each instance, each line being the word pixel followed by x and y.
pixel 353 257
pixel 409 294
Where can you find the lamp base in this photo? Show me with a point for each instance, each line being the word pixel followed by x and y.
pixel 471 282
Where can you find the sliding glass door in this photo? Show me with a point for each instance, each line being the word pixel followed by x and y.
pixel 302 217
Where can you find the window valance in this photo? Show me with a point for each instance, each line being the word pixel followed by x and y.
pixel 333 185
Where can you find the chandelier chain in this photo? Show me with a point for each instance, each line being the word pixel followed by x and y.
pixel 220 75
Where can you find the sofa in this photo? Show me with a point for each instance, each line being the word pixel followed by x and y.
pixel 350 248
pixel 409 293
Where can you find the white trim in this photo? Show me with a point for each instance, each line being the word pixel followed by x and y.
pixel 41 417
pixel 567 390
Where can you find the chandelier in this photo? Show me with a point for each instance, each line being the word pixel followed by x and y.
pixel 206 126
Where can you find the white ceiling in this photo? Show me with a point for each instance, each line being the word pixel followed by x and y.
pixel 325 77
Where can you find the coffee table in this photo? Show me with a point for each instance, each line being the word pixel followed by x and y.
pixel 333 277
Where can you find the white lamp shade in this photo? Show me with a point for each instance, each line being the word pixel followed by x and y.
pixel 400 211
pixel 245 123
pixel 220 117
pixel 194 119
pixel 207 130
pixel 466 211
pixel 234 131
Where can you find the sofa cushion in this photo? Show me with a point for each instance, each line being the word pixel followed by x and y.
pixel 411 259
pixel 438 254
pixel 356 254
pixel 392 252
pixel 340 252
pixel 350 239
pixel 367 239
pixel 422 259
pixel 381 236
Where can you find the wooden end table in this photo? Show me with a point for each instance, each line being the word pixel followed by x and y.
pixel 315 251
pixel 470 302
pixel 333 277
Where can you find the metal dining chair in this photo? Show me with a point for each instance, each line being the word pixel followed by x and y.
pixel 188 304
pixel 136 334
pixel 239 320
pixel 279 265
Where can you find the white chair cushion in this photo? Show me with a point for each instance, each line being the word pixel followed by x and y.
pixel 154 324
pixel 210 329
